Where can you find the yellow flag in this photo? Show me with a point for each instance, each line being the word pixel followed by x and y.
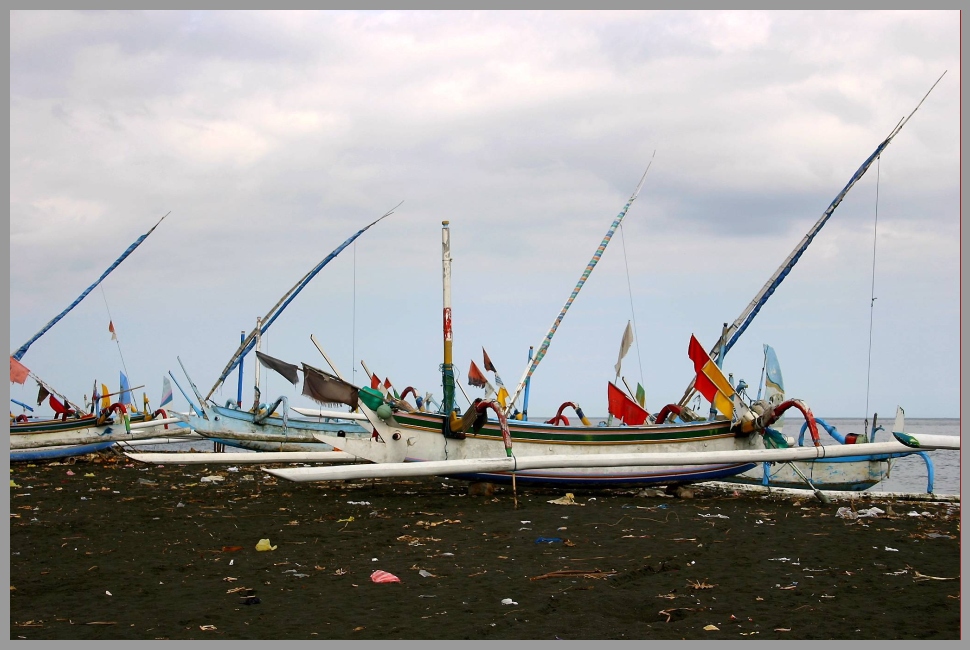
pixel 503 397
pixel 105 400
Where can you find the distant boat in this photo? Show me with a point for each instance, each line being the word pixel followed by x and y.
pixel 263 428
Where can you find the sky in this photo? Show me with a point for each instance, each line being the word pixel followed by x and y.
pixel 268 138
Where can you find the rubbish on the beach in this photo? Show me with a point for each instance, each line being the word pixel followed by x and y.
pixel 108 592
pixel 426 574
pixel 913 513
pixel 846 513
pixel 232 469
pixel 229 579
pixel 340 572
pixel 231 549
pixel 426 596
pixel 508 601
pixel 348 519
pixel 919 576
pixel 697 584
pixel 871 512
pixel 13 485
pixel 179 505
pixel 145 481
pixel 373 559
pixel 383 576
pixel 715 516
pixel 231 562
pixel 89 475
pixel 711 628
pixel 548 540
pixel 782 629
pixel 263 545
pixel 568 500
pixel 207 628
pixel 527 521
pixel 892 549
pixel 779 559
pixel 358 503
pixel 70 473
pixel 215 478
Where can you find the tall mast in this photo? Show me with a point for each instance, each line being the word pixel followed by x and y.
pixel 447 369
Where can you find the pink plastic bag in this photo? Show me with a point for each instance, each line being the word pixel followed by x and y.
pixel 383 576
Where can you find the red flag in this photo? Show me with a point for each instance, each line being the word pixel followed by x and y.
pixel 475 376
pixel 710 381
pixel 623 408
pixel 375 381
pixel 18 371
pixel 57 406
pixel 488 362
pixel 387 383
pixel 111 328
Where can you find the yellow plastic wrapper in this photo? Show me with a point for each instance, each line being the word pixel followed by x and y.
pixel 263 545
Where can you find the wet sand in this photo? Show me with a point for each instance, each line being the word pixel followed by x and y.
pixel 125 551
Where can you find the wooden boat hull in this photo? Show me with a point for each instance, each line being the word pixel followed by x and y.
pixel 53 453
pixel 81 431
pixel 418 437
pixel 237 428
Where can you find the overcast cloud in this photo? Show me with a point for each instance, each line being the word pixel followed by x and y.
pixel 273 136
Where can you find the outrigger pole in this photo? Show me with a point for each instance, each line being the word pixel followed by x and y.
pixel 19 354
pixel 731 334
pixel 534 363
pixel 287 298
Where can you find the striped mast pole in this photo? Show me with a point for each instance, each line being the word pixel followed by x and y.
pixel 544 347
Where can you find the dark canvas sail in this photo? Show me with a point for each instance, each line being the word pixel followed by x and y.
pixel 288 370
pixel 327 389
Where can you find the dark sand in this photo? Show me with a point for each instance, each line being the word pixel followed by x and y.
pixel 164 545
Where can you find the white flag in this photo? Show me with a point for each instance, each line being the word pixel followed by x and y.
pixel 624 345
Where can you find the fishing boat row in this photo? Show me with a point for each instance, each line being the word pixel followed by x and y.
pixel 378 433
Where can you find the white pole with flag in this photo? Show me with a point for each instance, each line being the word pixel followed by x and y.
pixel 625 344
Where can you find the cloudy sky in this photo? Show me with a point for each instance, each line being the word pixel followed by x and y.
pixel 270 137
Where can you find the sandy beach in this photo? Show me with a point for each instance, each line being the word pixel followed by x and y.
pixel 104 548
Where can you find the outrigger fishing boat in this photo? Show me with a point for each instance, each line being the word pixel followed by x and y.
pixel 855 473
pixel 74 431
pixel 406 443
pixel 269 427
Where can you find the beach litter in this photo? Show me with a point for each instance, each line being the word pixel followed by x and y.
pixel 383 576
pixel 264 545
pixel 426 574
pixel 548 540
pixel 215 478
pixel 508 601
pixel 568 500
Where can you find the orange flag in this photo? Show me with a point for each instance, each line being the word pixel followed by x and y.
pixel 111 328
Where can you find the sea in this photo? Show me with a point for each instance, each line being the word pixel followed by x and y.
pixel 908 474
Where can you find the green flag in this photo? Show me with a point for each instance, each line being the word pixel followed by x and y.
pixel 641 396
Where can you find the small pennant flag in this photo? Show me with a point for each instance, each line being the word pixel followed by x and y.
pixel 111 328
pixel 125 397
pixel 105 397
pixel 475 376
pixel 641 396
pixel 375 382
pixel 18 371
pixel 503 397
pixel 166 391
pixel 56 405
pixel 488 362
pixel 625 344
pixel 42 394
